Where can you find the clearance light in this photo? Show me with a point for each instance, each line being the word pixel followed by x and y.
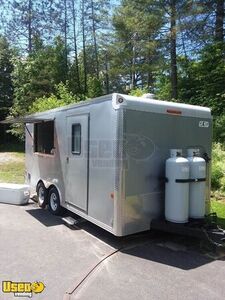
pixel 174 112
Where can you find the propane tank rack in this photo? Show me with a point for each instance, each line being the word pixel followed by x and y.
pixel 205 229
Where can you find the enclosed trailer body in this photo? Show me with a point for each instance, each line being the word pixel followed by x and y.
pixel 106 157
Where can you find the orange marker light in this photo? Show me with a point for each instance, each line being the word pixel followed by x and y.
pixel 174 112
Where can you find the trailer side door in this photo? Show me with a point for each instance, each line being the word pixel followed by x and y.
pixel 77 161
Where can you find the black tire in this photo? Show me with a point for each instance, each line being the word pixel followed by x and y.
pixel 42 195
pixel 54 202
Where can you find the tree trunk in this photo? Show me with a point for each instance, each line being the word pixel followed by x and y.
pixel 132 75
pixel 75 45
pixel 106 74
pixel 219 33
pixel 65 31
pixel 149 73
pixel 133 64
pixel 84 47
pixel 30 26
pixel 149 80
pixel 173 50
pixel 94 38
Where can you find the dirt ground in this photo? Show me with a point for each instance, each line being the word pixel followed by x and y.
pixel 6 157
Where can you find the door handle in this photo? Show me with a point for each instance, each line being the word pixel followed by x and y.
pixel 67 159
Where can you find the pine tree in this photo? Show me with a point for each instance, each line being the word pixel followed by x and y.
pixel 76 62
pixel 83 28
pixel 219 31
pixel 23 20
pixel 37 75
pixel 6 68
pixel 173 47
pixel 135 44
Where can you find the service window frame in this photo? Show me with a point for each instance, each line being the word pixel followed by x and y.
pixel 44 141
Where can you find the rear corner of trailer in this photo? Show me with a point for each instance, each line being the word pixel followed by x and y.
pixel 150 128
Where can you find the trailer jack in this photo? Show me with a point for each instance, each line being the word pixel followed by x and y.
pixel 205 229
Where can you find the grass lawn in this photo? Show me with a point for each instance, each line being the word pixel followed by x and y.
pixel 219 207
pixel 12 167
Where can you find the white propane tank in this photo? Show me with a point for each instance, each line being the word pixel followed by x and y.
pixel 177 188
pixel 197 187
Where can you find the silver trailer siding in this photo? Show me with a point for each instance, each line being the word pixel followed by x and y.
pixel 117 181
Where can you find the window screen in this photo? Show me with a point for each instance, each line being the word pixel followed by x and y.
pixel 76 139
pixel 44 137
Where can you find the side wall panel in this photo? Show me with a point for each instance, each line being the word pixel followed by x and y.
pixel 101 173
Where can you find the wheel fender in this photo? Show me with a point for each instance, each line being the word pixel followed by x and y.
pixel 48 184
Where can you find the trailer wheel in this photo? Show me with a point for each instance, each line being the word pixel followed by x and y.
pixel 54 202
pixel 41 195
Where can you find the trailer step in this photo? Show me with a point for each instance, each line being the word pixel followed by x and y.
pixel 70 221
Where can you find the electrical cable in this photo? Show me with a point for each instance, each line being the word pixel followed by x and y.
pixel 73 289
pixel 68 294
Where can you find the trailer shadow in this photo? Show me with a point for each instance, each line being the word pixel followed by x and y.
pixel 168 249
pixel 168 255
pixel 45 217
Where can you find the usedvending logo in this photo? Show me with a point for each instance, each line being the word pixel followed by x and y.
pixel 22 289
pixel 139 146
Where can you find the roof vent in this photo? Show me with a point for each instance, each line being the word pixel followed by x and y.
pixel 149 96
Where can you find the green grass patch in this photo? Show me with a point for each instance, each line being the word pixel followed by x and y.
pixel 219 208
pixel 12 167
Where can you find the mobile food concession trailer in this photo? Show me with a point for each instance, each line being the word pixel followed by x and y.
pixel 104 159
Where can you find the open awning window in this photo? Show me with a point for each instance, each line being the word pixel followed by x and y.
pixel 43 133
pixel 44 137
pixel 26 120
